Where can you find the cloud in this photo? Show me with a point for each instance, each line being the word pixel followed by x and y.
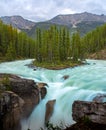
pixel 40 10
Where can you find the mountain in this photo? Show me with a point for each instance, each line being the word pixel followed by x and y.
pixel 82 22
pixel 75 19
pixel 18 22
pixel 41 25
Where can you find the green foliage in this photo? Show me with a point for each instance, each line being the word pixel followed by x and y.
pixel 54 46
pixel 50 126
pixel 95 40
pixel 87 26
pixel 15 44
pixel 86 120
pixel 58 65
pixel 11 52
pixel 6 82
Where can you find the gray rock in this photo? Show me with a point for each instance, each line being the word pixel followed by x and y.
pixel 27 89
pixel 10 110
pixel 93 111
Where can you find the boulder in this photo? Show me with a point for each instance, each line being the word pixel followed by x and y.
pixel 91 111
pixel 65 77
pixel 49 109
pixel 25 89
pixel 10 110
pixel 31 66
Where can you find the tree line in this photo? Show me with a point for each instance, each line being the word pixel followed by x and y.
pixel 95 40
pixel 14 43
pixel 56 45
pixel 53 45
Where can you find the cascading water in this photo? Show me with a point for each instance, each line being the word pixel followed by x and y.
pixel 84 83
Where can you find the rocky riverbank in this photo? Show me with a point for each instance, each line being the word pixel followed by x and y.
pixel 19 101
pixel 19 96
pixel 89 115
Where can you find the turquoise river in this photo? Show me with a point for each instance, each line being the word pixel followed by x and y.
pixel 84 83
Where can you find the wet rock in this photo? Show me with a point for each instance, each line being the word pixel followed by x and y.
pixel 43 92
pixel 26 89
pixel 65 77
pixel 10 110
pixel 42 89
pixel 31 66
pixel 100 98
pixel 49 109
pixel 92 111
pixel 41 85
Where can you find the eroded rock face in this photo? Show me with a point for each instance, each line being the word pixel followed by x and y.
pixel 42 89
pixel 10 110
pixel 92 111
pixel 25 89
pixel 49 109
pixel 43 92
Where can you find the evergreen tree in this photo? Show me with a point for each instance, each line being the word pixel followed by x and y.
pixel 11 53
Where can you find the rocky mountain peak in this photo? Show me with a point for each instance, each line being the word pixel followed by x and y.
pixel 18 22
pixel 74 19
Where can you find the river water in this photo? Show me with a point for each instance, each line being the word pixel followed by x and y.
pixel 84 83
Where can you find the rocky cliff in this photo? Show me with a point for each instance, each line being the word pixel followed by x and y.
pixel 10 110
pixel 91 111
pixel 20 101
pixel 89 115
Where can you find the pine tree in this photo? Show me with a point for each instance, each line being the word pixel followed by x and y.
pixel 11 52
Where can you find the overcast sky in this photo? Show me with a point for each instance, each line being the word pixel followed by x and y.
pixel 41 10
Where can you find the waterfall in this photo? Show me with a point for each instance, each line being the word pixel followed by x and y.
pixel 84 83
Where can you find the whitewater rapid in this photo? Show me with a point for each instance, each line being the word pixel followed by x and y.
pixel 84 83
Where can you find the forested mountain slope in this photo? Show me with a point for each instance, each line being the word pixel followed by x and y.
pixel 14 44
pixel 83 22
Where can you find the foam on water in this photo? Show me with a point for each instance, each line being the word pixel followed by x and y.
pixel 84 83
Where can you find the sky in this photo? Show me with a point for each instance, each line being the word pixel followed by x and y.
pixel 41 10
